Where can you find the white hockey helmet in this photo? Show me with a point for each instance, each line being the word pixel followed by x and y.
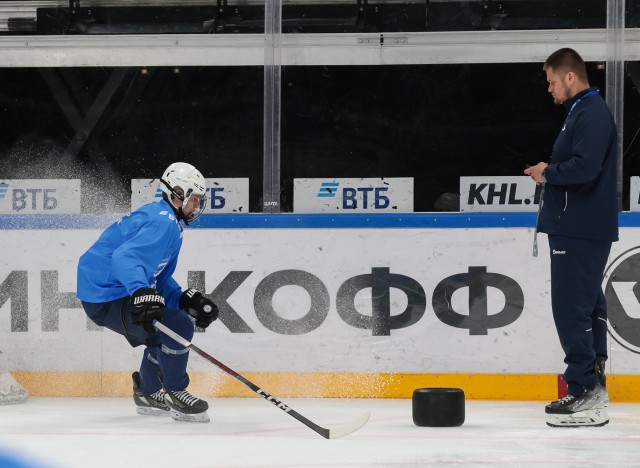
pixel 182 180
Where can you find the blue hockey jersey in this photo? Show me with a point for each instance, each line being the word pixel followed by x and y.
pixel 141 250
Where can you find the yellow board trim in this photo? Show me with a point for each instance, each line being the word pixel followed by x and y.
pixel 621 388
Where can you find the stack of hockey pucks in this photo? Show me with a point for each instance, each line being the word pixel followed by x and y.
pixel 438 407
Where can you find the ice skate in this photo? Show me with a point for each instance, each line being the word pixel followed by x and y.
pixel 585 410
pixel 586 418
pixel 183 406
pixel 148 405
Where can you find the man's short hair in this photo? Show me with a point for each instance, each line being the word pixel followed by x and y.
pixel 567 60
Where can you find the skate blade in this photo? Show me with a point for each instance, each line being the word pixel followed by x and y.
pixel 199 417
pixel 588 418
pixel 148 411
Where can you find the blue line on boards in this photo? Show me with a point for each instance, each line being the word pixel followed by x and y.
pixel 302 221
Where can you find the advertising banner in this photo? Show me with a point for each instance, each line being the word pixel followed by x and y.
pixel 224 195
pixel 391 194
pixel 39 196
pixel 348 300
pixel 499 194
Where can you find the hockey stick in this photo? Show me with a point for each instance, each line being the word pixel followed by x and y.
pixel 332 433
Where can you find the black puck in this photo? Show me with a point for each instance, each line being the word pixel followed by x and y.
pixel 438 407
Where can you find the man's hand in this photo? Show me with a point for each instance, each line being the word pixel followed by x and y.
pixel 536 172
pixel 147 306
pixel 199 307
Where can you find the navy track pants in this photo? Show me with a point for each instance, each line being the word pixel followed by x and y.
pixel 579 306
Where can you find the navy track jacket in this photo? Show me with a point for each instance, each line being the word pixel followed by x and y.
pixel 580 197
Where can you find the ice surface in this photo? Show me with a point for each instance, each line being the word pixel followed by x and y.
pixel 249 432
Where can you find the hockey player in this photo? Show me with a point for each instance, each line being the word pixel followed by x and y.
pixel 125 283
pixel 579 213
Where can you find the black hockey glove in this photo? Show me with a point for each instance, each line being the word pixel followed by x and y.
pixel 199 307
pixel 148 305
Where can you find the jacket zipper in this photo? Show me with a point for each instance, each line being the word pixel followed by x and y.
pixel 566 200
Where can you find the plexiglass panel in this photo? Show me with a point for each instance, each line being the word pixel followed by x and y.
pixel 98 17
pixel 54 17
pixel 434 123
pixel 351 105
pixel 631 155
pixel 109 125
pixel 342 16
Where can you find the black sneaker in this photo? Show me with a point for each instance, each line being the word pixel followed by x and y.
pixel 148 405
pixel 186 407
pixel 590 399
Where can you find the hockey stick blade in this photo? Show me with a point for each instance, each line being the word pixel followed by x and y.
pixel 331 433
pixel 348 428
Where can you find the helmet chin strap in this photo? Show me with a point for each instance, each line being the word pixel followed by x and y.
pixel 178 211
pixel 182 216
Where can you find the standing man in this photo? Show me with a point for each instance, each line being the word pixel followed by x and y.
pixel 579 213
pixel 125 283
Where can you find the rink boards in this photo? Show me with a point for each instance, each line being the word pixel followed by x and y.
pixel 313 311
